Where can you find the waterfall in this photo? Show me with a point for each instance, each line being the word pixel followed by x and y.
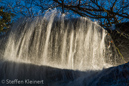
pixel 56 49
pixel 57 41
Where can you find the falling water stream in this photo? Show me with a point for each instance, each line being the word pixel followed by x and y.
pixel 57 41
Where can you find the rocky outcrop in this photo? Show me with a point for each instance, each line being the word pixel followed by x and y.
pixel 115 76
pixel 121 39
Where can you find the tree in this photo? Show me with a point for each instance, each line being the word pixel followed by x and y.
pixel 107 12
pixel 5 20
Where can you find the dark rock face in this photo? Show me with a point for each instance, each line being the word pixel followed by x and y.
pixel 123 27
pixel 122 43
pixel 113 55
pixel 51 76
pixel 121 39
pixel 116 76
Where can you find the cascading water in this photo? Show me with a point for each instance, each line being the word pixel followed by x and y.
pixel 76 44
pixel 57 41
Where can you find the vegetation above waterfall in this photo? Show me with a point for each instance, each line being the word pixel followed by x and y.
pixel 5 20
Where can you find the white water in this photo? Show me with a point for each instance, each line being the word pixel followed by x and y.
pixel 55 41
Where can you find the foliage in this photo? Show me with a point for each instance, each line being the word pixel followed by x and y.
pixel 5 20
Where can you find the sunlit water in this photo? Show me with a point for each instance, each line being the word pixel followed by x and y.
pixel 54 40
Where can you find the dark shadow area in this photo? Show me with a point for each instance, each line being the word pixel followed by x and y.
pixel 12 72
pixel 121 38
pixel 114 76
pixel 23 74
